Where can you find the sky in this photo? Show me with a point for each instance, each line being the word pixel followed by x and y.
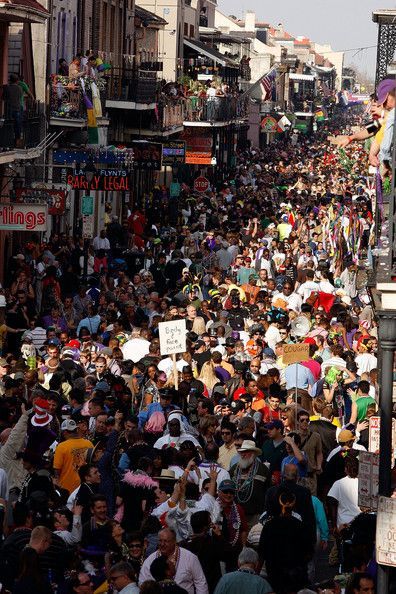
pixel 345 24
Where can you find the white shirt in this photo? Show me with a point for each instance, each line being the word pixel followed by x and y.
pixel 293 301
pixel 307 288
pixel 189 574
pixel 135 349
pixel 356 446
pixel 272 336
pixel 204 467
pixel 101 243
pixel 365 363
pixel 345 491
pixel 326 287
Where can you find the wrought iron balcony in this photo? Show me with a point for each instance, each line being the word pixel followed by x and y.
pixel 66 100
pixel 171 114
pixel 132 86
pixel 31 131
pixel 216 109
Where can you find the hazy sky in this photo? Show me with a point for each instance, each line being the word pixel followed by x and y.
pixel 343 23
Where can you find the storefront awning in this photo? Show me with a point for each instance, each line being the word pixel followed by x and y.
pixel 23 11
pixel 209 52
pixel 307 77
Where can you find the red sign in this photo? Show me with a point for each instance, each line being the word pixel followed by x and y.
pixel 106 179
pixel 201 184
pixel 199 146
pixel 54 199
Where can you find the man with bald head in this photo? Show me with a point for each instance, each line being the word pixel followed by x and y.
pixel 303 504
pixel 188 572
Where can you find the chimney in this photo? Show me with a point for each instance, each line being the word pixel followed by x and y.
pixel 250 20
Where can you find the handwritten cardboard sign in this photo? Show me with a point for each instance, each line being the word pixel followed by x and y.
pixel 295 353
pixel 172 337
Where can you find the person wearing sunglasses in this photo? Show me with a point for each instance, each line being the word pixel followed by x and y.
pixel 233 520
pixel 311 445
pixel 228 450
pixel 123 579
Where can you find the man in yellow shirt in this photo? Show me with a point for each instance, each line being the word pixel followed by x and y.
pixel 69 456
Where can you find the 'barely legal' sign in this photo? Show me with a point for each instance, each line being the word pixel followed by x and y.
pixel 172 337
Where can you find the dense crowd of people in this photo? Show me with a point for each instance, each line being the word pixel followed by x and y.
pixel 239 473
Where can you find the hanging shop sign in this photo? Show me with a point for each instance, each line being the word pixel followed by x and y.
pixel 54 199
pixel 199 146
pixel 23 217
pixel 147 155
pixel 105 179
pixel 269 124
pixel 173 152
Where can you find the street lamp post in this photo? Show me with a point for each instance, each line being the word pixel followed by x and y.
pixel 89 173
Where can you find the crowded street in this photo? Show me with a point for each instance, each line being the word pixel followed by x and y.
pixel 196 371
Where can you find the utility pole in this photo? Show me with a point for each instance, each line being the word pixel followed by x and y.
pixel 387 342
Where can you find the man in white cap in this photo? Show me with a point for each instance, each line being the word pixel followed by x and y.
pixel 252 479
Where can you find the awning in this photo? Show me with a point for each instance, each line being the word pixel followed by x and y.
pixel 295 76
pixel 20 11
pixel 209 52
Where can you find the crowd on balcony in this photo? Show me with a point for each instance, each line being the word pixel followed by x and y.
pixel 15 100
pixel 83 76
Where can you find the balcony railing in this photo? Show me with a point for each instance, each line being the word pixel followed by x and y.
pixel 66 99
pixel 171 114
pixel 132 85
pixel 30 127
pixel 215 109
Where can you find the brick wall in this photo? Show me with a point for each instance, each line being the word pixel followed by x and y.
pixel 106 26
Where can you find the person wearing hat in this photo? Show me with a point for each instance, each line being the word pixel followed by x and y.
pixel 251 477
pixel 36 479
pixel 384 139
pixel 69 456
pixel 274 449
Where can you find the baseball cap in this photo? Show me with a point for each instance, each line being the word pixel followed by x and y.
pixel 275 424
pixel 54 342
pixel 69 425
pixel 224 402
pixel 237 406
pixel 239 367
pixel 3 363
pixel 385 87
pixel 227 485
pixel 345 435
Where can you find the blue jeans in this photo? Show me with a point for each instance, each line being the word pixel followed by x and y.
pixel 16 115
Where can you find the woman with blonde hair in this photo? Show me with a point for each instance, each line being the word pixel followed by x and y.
pixel 208 376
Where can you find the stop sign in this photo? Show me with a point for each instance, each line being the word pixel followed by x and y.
pixel 201 184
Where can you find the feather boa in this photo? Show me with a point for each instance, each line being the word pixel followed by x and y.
pixel 136 479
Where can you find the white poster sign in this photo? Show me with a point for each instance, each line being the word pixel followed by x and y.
pixel 368 480
pixel 385 541
pixel 172 337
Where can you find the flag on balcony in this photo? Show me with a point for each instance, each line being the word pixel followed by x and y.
pixel 92 125
pixel 93 133
pixel 267 84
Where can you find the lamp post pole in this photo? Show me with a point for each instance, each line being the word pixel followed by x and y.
pixel 89 173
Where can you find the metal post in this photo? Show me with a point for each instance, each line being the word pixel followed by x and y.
pixel 387 342
pixel 86 256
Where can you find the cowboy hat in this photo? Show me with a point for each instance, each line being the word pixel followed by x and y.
pixel 248 445
pixel 166 475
